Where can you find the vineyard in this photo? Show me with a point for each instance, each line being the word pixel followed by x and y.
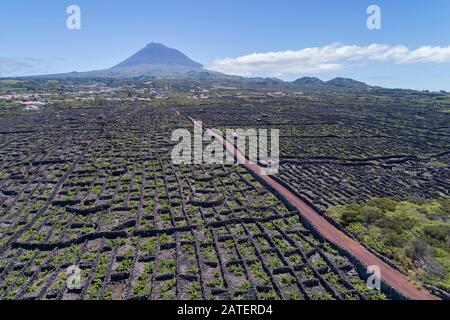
pixel 96 189
pixel 335 155
pixel 339 153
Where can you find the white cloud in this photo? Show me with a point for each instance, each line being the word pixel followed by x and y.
pixel 324 59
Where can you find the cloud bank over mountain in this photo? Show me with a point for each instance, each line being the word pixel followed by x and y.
pixel 326 59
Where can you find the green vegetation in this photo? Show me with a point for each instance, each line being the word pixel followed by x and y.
pixel 125 265
pixel 142 288
pixel 414 234
pixel 216 281
pixel 149 247
pixel 237 269
pixel 438 164
pixel 168 266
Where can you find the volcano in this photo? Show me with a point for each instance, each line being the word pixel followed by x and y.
pixel 155 60
pixel 158 55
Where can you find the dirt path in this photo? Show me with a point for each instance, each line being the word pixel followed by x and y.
pixel 389 275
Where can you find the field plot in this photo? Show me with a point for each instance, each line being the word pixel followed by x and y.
pixel 336 154
pixel 341 153
pixel 96 188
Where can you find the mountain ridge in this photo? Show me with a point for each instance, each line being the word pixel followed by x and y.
pixel 156 60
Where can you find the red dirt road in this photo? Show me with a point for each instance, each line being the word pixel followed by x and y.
pixel 389 275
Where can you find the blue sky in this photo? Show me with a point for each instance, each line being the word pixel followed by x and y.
pixel 34 37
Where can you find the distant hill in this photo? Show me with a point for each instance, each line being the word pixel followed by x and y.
pixel 337 84
pixel 308 80
pixel 348 83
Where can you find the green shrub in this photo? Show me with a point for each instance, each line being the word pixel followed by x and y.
pixel 438 231
pixel 415 234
